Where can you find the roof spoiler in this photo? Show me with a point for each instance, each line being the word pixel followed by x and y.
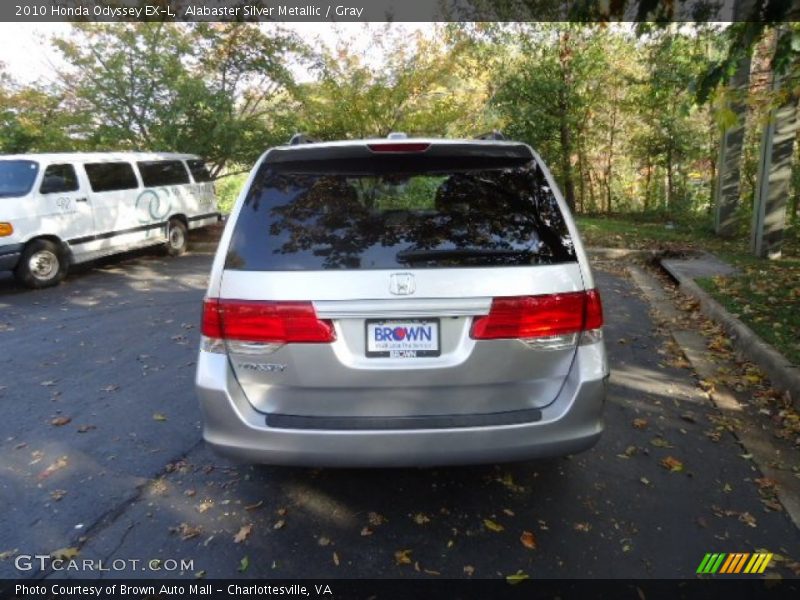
pixel 301 138
pixel 494 134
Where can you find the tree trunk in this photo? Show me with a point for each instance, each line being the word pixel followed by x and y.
pixel 565 55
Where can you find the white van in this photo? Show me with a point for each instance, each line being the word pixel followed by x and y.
pixel 61 209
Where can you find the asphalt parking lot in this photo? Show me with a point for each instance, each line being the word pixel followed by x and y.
pixel 101 457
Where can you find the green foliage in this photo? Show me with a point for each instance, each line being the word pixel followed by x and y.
pixel 31 118
pixel 423 87
pixel 612 108
pixel 204 88
pixel 228 188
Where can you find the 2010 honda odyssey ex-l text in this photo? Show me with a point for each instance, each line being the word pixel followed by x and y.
pixel 401 301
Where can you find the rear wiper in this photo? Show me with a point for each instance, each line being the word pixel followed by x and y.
pixel 414 255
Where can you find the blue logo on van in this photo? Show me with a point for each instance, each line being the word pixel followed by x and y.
pixel 150 206
pixel 399 334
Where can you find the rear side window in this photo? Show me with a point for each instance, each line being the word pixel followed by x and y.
pixel 314 217
pixel 156 173
pixel 111 176
pixel 199 171
pixel 59 178
pixel 17 177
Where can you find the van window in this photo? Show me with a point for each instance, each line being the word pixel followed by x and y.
pixel 390 213
pixel 59 178
pixel 199 170
pixel 156 173
pixel 17 177
pixel 111 176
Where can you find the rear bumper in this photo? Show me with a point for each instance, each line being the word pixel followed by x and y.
pixel 9 256
pixel 232 427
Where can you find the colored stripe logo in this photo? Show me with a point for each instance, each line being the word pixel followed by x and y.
pixel 734 563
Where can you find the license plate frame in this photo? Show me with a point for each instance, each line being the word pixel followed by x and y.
pixel 403 353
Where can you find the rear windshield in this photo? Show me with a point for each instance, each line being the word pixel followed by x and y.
pixel 17 177
pixel 449 213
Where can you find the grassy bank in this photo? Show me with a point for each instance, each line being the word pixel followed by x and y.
pixel 765 294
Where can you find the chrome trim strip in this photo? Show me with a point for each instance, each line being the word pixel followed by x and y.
pixel 407 307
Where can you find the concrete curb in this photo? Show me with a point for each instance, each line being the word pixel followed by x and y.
pixel 783 375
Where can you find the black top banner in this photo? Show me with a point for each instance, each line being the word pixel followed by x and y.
pixel 398 10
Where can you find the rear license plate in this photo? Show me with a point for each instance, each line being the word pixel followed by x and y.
pixel 409 338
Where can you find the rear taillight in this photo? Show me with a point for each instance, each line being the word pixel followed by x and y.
pixel 528 317
pixel 269 322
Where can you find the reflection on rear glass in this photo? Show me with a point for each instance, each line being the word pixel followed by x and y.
pixel 471 218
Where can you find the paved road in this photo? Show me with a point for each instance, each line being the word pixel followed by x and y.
pixel 113 349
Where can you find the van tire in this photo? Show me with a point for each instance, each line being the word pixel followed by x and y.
pixel 43 263
pixel 177 237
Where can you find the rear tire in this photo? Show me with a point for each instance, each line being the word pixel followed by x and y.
pixel 42 264
pixel 177 237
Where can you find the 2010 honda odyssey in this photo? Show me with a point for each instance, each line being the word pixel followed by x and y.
pixel 401 302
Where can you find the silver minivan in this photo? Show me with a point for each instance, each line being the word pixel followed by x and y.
pixel 401 302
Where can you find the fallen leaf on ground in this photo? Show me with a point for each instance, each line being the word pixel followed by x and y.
pixel 279 524
pixel 421 519
pixel 375 519
pixel 85 428
pixel 65 553
pixel 110 388
pixel 186 531
pixel 403 557
pixel 159 417
pixel 660 442
pixel 60 421
pixel 517 577
pixel 469 570
pixel 747 519
pixel 56 466
pixel 243 564
pixel 492 526
pixel 242 534
pixel 336 559
pixel 582 527
pixel 508 512
pixel 528 540
pixel 323 541
pixel 640 423
pixel 255 506
pixel 48 383
pixel 672 464
pixel 57 495
pixel 204 506
pixel 365 531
